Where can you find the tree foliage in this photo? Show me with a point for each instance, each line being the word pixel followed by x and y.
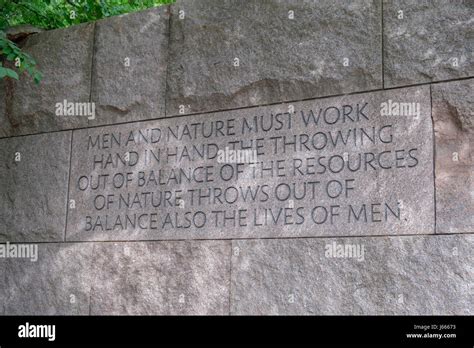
pixel 21 60
pixel 52 14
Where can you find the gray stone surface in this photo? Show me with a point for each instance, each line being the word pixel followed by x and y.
pixel 141 249
pixel 130 66
pixel 161 278
pixel 58 283
pixel 33 191
pixel 398 275
pixel 453 105
pixel 64 57
pixel 150 196
pixel 2 278
pixel 427 43
pixel 3 99
pixel 280 59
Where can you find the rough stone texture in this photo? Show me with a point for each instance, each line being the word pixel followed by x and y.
pixel 166 278
pixel 3 131
pixel 280 59
pixel 161 278
pixel 126 93
pixel 33 191
pixel 453 106
pixel 429 275
pixel 58 283
pixel 20 32
pixel 2 280
pixel 422 47
pixel 407 187
pixel 64 57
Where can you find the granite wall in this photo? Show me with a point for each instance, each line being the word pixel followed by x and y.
pixel 118 167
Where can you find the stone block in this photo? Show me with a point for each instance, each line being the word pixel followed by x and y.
pixel 64 57
pixel 57 283
pixel 453 105
pixel 408 275
pixel 130 60
pixel 354 165
pixel 427 41
pixel 34 174
pixel 229 54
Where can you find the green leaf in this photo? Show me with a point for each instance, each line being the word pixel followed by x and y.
pixel 37 78
pixel 11 73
